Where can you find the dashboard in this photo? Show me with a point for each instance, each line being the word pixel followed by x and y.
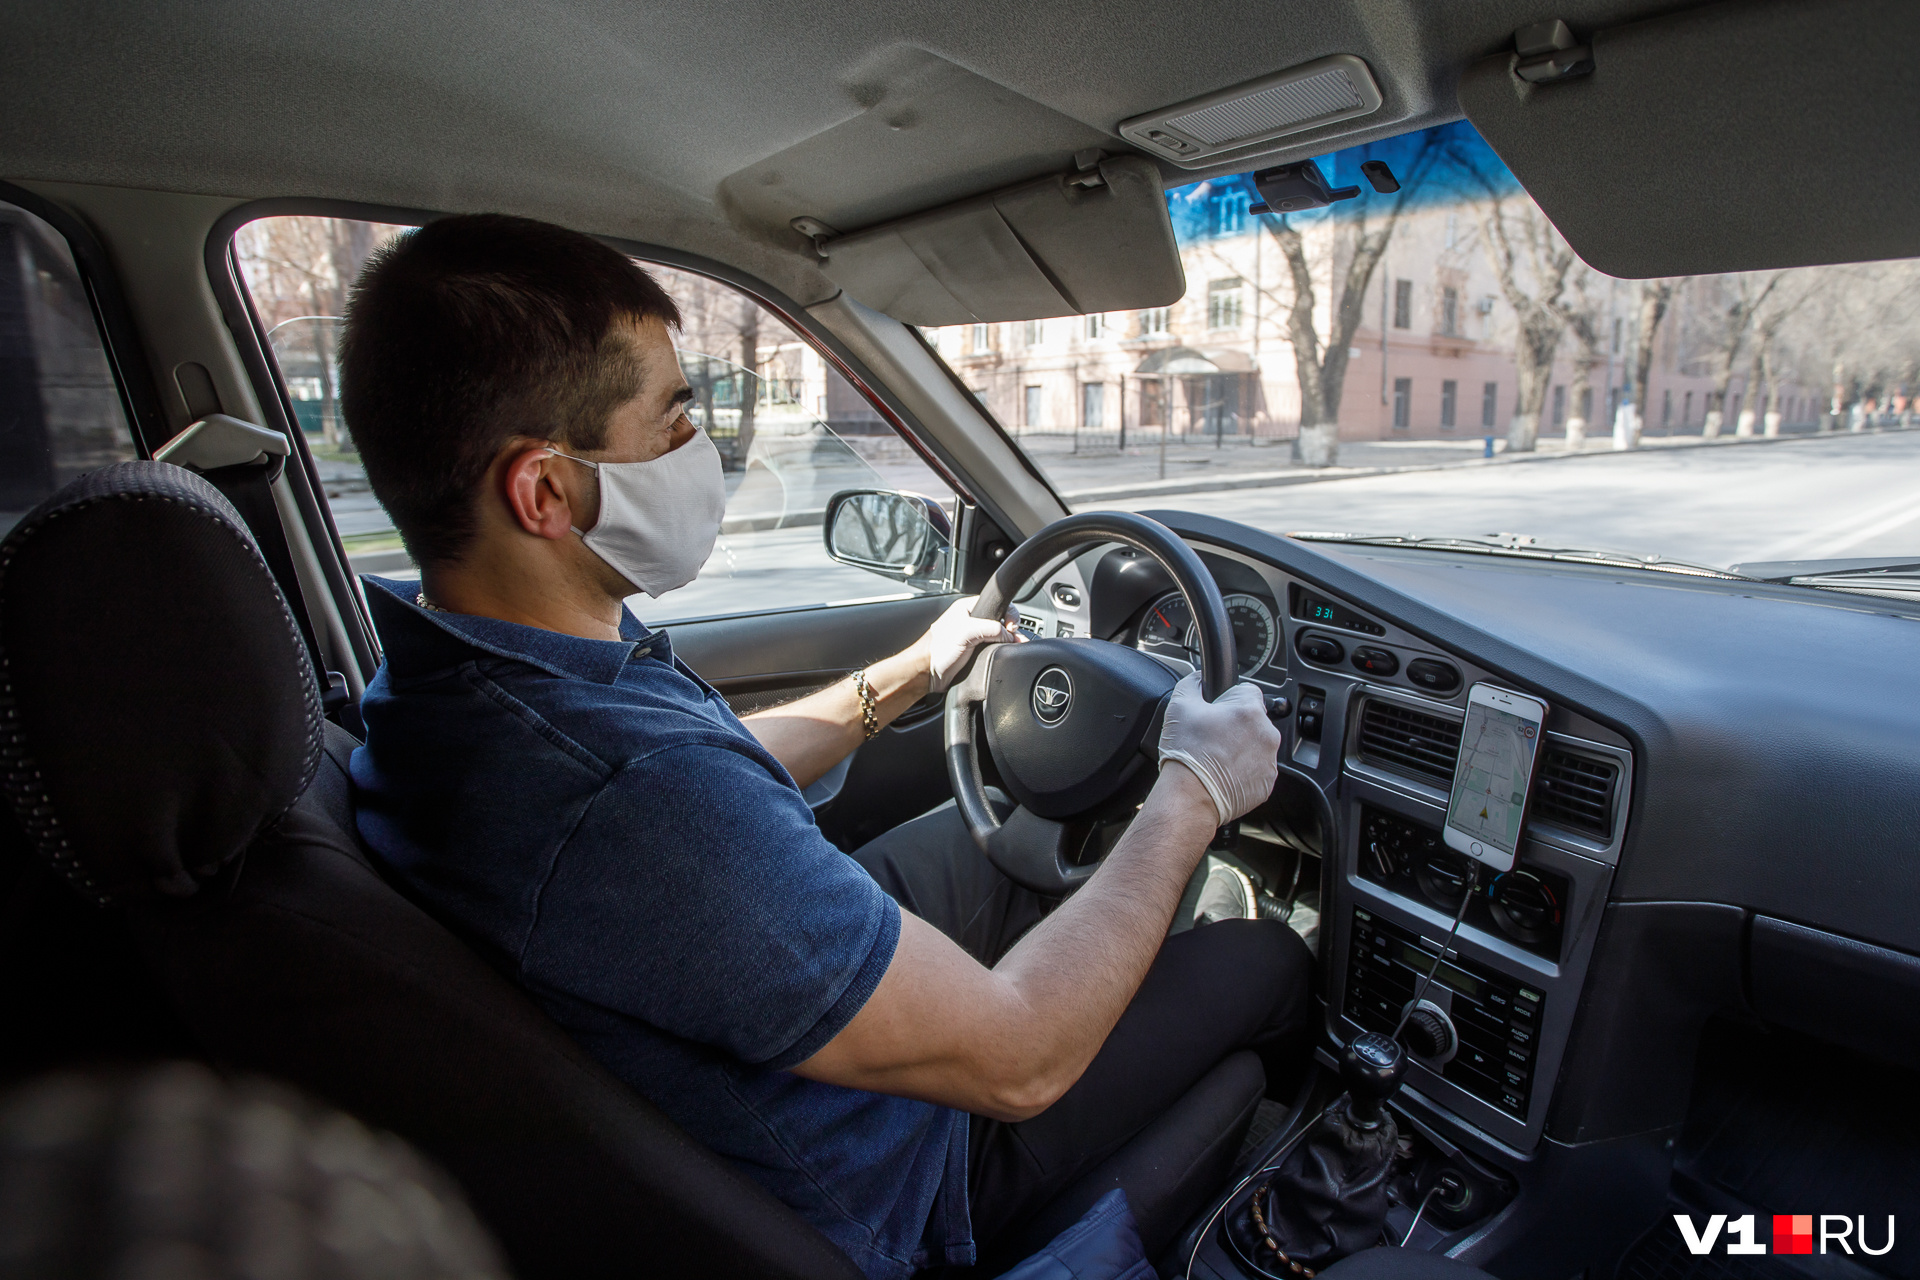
pixel 1696 731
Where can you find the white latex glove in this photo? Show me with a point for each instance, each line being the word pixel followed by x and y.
pixel 955 634
pixel 1231 745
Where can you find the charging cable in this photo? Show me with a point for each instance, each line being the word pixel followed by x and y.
pixel 1446 949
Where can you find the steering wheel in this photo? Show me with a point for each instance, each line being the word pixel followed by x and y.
pixel 1069 722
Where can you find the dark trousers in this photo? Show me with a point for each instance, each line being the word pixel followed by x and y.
pixel 1238 984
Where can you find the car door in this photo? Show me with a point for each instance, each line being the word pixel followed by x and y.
pixel 772 616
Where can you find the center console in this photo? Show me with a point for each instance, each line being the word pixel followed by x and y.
pixel 1486 1043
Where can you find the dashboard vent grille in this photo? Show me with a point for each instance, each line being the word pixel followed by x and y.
pixel 1408 741
pixel 1576 792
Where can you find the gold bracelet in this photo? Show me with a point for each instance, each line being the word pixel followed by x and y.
pixel 869 718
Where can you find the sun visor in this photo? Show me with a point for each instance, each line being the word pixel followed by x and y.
pixel 1076 244
pixel 1740 136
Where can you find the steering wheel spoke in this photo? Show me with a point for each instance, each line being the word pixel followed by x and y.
pixel 1070 723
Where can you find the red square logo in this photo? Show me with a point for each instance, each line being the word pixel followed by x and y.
pixel 1793 1233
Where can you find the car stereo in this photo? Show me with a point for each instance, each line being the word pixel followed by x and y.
pixel 1483 1027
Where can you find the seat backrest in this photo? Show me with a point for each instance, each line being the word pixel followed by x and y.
pixel 222 819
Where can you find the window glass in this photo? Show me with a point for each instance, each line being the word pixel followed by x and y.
pixel 60 412
pixel 1359 336
pixel 791 431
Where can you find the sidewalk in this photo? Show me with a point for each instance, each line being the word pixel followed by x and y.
pixel 1089 478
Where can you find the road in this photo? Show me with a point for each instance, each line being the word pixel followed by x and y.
pixel 1808 498
pixel 1811 498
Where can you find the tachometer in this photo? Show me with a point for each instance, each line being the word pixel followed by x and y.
pixel 1167 624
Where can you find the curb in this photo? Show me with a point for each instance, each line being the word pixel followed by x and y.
pixel 1293 476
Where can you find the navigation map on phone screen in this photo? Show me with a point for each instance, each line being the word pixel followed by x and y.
pixel 1490 782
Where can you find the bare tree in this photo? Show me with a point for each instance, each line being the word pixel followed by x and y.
pixel 1655 297
pixel 1322 368
pixel 1533 264
pixel 1750 293
pixel 1586 322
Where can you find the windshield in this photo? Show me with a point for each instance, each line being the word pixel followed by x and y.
pixel 1438 362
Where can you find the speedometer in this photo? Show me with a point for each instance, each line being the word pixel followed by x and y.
pixel 1168 628
pixel 1254 632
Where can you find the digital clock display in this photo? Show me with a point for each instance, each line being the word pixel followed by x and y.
pixel 1312 608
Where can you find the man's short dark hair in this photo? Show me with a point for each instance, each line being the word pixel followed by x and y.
pixel 470 331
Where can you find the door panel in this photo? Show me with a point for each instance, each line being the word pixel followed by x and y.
pixel 761 660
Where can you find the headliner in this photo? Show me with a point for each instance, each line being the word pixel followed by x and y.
pixel 700 126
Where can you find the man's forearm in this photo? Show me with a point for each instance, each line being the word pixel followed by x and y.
pixel 1080 966
pixel 1008 1042
pixel 812 734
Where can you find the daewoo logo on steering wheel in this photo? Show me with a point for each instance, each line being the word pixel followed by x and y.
pixel 1052 695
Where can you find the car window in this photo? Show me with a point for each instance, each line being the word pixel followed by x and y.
pixel 1436 360
pixel 60 411
pixel 790 429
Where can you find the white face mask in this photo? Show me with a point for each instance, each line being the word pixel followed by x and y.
pixel 659 518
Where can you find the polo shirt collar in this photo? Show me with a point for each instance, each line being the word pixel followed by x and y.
pixel 414 638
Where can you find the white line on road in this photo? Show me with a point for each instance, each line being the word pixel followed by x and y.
pixel 1888 525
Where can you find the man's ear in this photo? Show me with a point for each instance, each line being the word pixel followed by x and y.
pixel 537 496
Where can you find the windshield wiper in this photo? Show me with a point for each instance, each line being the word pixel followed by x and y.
pixel 1821 571
pixel 1521 546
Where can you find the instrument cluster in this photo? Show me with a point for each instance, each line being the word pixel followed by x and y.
pixel 1167 629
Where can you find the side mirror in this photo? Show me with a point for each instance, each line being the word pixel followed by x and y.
pixel 904 536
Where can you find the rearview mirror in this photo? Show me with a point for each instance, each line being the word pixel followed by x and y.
pixel 904 536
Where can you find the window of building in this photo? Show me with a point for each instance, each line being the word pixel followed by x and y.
pixel 1666 408
pixel 1402 403
pixel 1032 407
pixel 1449 399
pixel 1229 213
pixel 1096 326
pixel 1036 332
pixel 1403 304
pixel 1154 321
pixel 1686 409
pixel 1586 404
pixel 1616 336
pixel 1559 405
pixel 980 339
pixel 1489 403
pixel 60 411
pixel 1093 405
pixel 1450 311
pixel 1224 303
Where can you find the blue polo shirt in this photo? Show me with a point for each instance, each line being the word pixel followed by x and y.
pixel 592 814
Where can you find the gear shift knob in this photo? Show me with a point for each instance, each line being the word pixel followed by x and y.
pixel 1371 1067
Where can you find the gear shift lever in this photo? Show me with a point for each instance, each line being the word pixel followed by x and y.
pixel 1328 1198
pixel 1371 1067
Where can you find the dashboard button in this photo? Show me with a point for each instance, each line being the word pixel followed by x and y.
pixel 1429 673
pixel 1375 662
pixel 1065 596
pixel 1324 650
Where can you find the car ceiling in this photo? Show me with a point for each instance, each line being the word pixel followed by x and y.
pixel 704 127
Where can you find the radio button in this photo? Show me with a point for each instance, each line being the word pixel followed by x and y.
pixel 1499 999
pixel 1514 1102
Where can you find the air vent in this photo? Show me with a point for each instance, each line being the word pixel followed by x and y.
pixel 1576 792
pixel 1408 741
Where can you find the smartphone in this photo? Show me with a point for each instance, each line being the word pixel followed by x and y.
pixel 1494 776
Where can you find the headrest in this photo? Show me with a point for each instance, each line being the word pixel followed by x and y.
pixel 157 706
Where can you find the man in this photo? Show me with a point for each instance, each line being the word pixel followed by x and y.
pixel 549 778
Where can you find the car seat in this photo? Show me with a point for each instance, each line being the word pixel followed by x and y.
pixel 163 748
